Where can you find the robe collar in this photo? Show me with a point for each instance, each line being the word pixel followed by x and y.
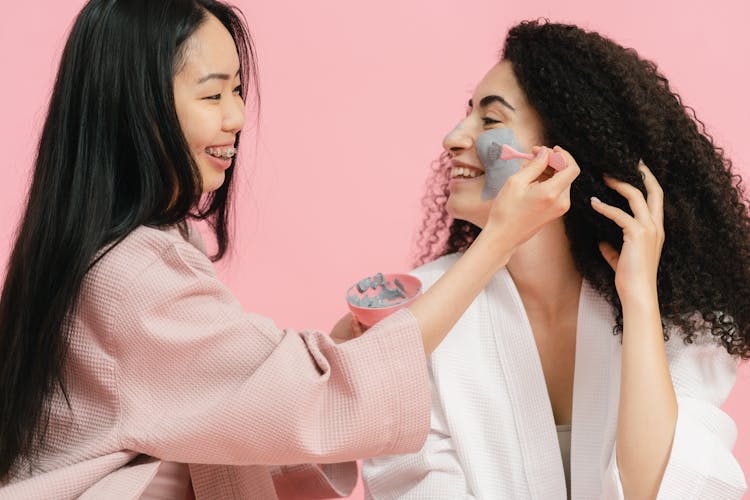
pixel 592 405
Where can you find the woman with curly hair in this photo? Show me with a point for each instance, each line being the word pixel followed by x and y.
pixel 595 363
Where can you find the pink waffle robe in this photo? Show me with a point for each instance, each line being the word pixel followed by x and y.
pixel 165 365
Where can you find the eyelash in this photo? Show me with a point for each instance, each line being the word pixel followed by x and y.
pixel 216 97
pixel 490 121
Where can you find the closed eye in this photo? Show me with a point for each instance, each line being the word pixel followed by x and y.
pixel 216 97
pixel 490 121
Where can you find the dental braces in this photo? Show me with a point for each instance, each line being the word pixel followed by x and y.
pixel 227 153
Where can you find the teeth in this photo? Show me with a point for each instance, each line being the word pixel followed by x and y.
pixel 225 153
pixel 464 172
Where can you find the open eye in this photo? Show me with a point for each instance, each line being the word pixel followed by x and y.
pixel 214 97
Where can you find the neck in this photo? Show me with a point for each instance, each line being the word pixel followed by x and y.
pixel 544 272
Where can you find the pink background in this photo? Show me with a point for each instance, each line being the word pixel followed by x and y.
pixel 356 98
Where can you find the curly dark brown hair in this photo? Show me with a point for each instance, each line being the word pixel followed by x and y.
pixel 609 108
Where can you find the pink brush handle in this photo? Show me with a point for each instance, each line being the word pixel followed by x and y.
pixel 555 160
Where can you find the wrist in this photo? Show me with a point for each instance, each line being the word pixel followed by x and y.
pixel 493 246
pixel 643 299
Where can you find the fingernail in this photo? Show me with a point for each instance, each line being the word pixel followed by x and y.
pixel 541 152
pixel 594 199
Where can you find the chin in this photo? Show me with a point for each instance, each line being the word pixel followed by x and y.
pixel 213 184
pixel 477 221
pixel 460 211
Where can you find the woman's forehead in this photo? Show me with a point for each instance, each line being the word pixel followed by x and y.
pixel 211 49
pixel 500 80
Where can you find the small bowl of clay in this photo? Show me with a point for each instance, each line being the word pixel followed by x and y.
pixel 373 298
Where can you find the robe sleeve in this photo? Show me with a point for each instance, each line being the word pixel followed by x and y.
pixel 306 481
pixel 433 472
pixel 200 380
pixel 701 464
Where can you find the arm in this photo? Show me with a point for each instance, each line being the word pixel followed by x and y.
pixel 700 463
pixel 200 380
pixel 648 405
pixel 649 410
pixel 522 206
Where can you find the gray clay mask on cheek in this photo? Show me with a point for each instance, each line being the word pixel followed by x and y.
pixel 496 171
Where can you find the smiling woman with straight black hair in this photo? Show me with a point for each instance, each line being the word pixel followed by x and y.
pixel 127 369
pixel 110 160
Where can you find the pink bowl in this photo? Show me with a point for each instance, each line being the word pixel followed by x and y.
pixel 369 315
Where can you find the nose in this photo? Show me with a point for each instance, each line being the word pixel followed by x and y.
pixel 459 139
pixel 233 115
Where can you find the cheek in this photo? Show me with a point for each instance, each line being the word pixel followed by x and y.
pixel 529 134
pixel 527 140
pixel 198 127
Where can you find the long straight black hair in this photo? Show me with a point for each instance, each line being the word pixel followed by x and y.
pixel 111 157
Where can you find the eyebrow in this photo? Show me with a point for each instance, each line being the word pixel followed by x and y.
pixel 218 76
pixel 487 100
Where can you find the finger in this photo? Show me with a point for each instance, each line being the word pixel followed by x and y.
pixel 557 160
pixel 634 196
pixel 341 330
pixel 547 174
pixel 562 179
pixel 611 255
pixel 534 168
pixel 619 217
pixel 655 199
pixel 356 328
